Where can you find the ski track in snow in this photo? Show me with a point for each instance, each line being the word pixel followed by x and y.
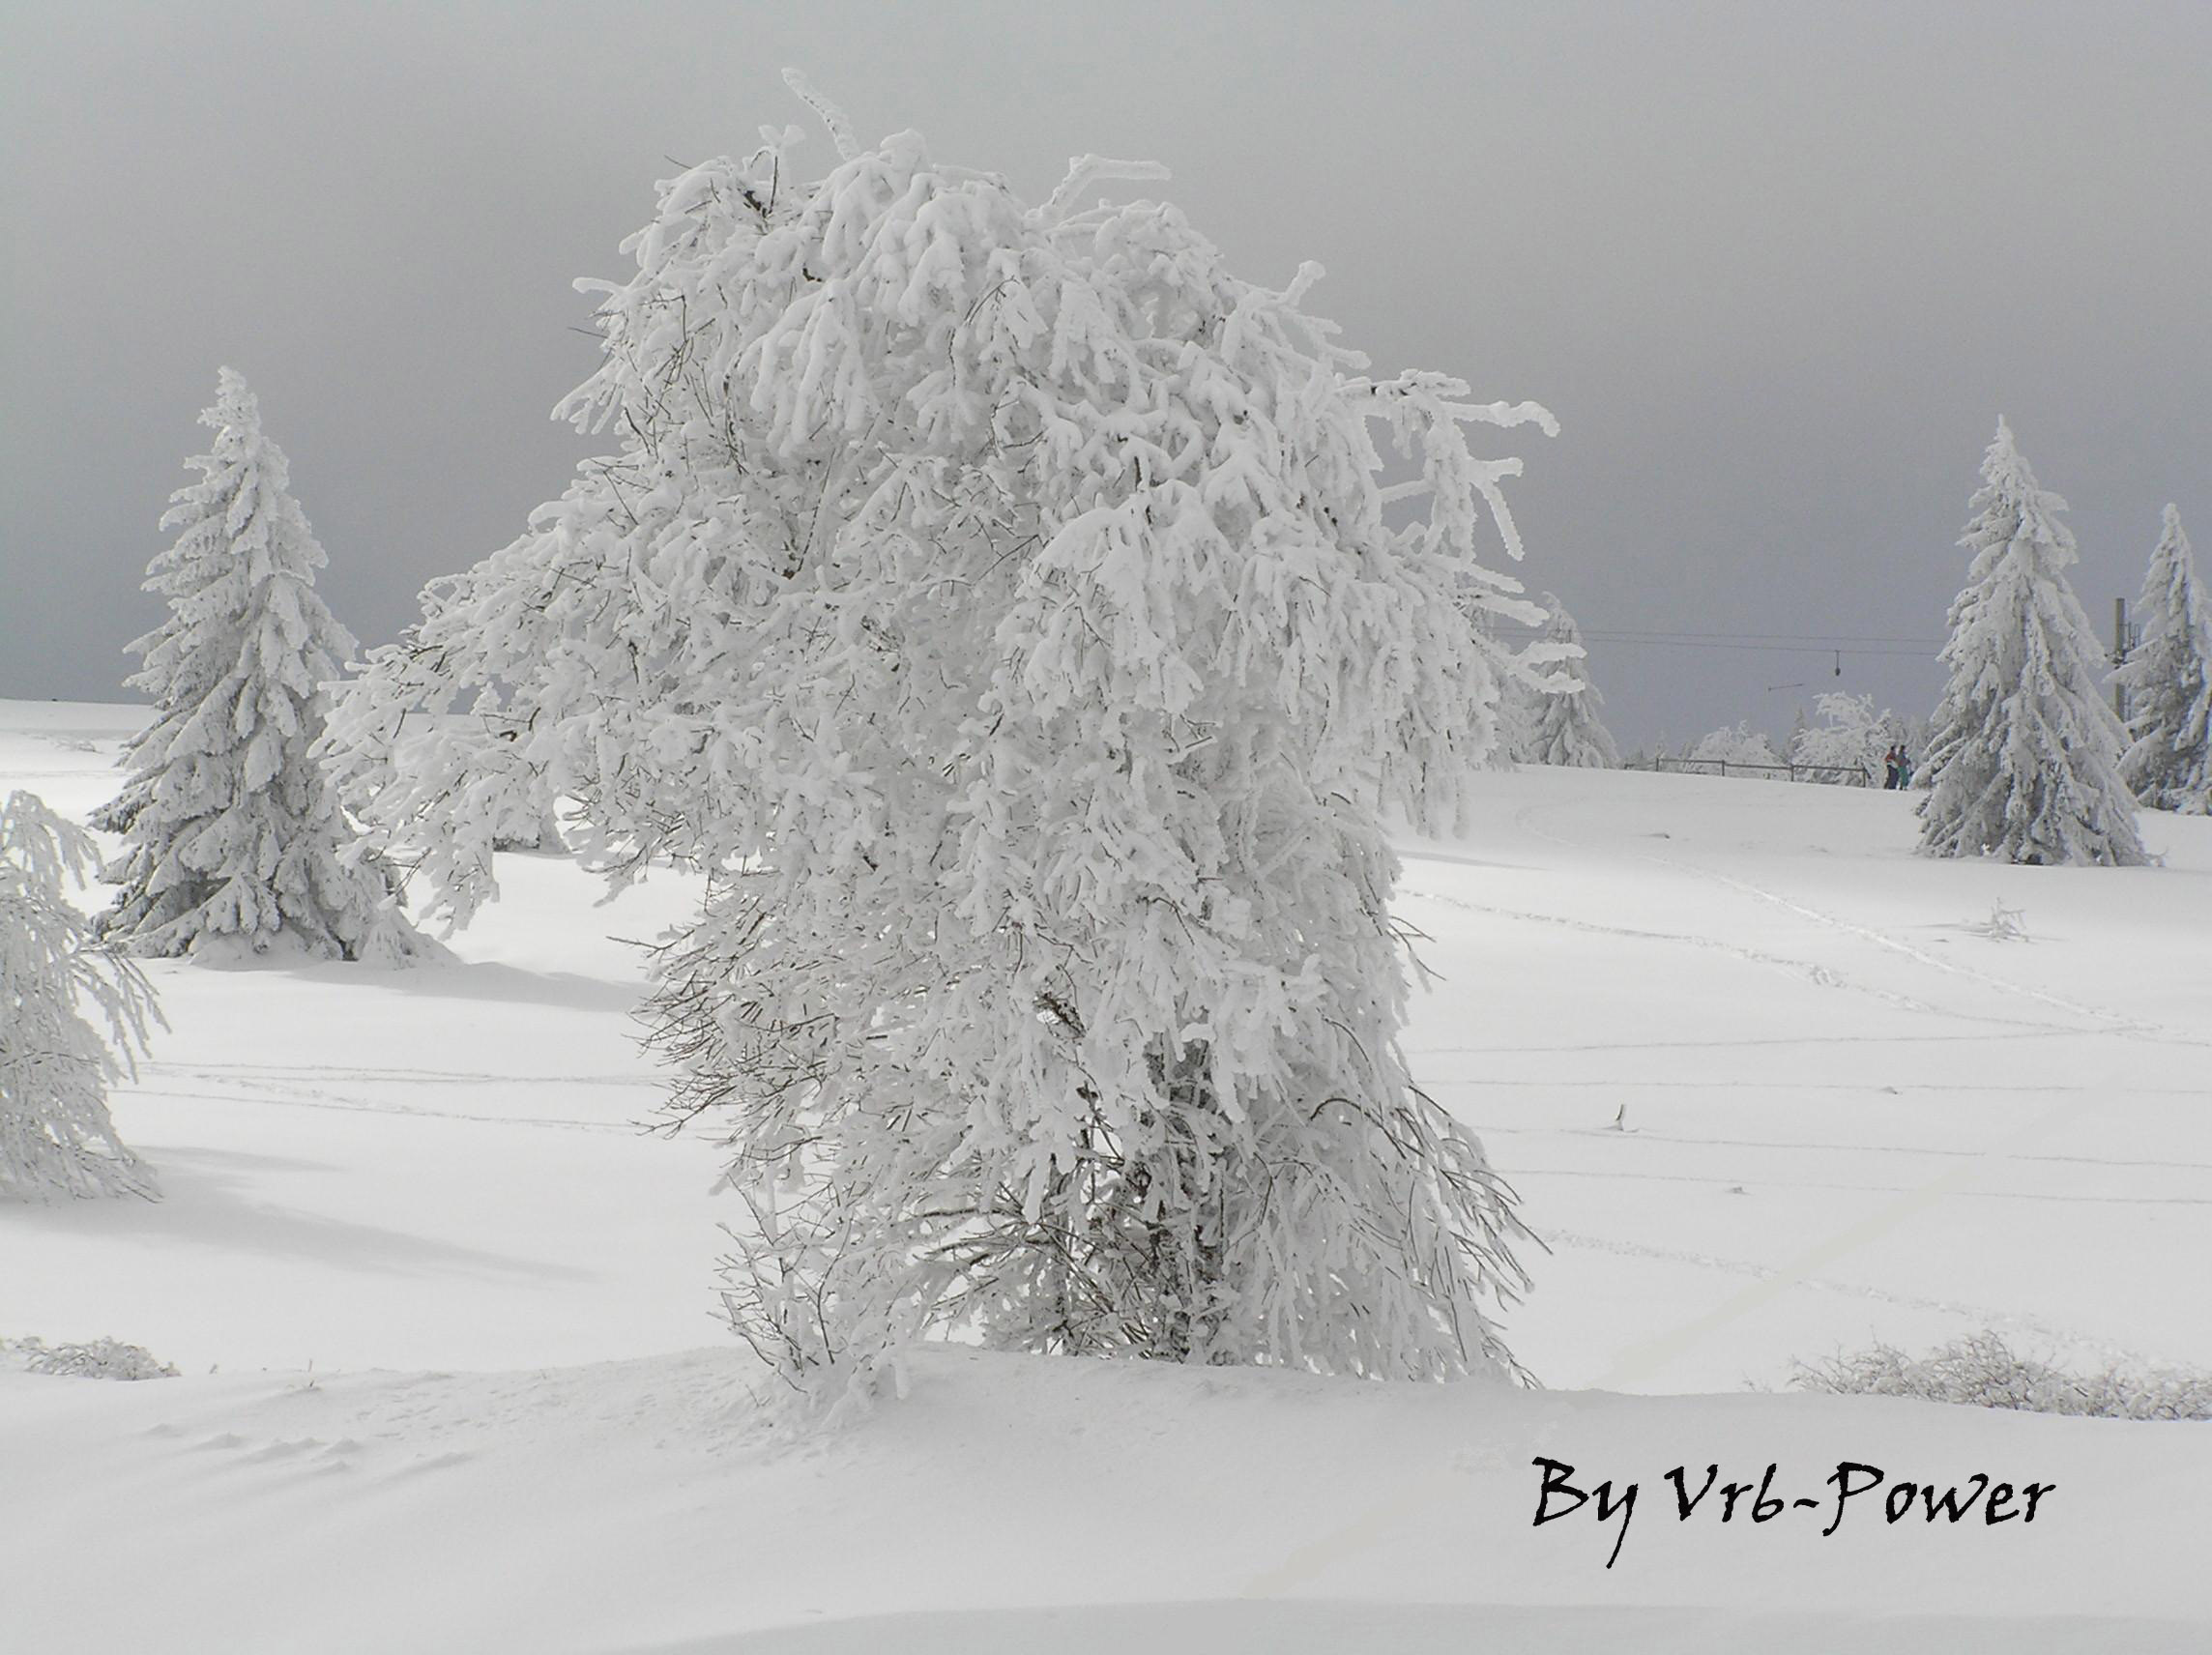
pixel 282 1085
pixel 2095 1022
pixel 1788 1144
pixel 1728 1180
pixel 361 1106
pixel 1523 819
pixel 210 1071
pixel 1821 975
pixel 1855 1042
pixel 1978 1315
pixel 2119 1021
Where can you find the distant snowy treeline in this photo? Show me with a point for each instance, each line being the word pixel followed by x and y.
pixel 2025 759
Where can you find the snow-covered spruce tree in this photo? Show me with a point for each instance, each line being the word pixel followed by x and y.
pixel 1518 691
pixel 1564 724
pixel 2023 762
pixel 235 841
pixel 1526 678
pixel 2169 684
pixel 997 600
pixel 55 1066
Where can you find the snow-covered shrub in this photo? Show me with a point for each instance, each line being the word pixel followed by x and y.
pixel 55 1064
pixel 234 840
pixel 998 599
pixel 2023 764
pixel 2003 926
pixel 527 827
pixel 1851 735
pixel 1562 723
pixel 1982 1371
pixel 1732 744
pixel 2167 679
pixel 97 1359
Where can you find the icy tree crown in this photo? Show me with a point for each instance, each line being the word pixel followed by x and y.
pixel 896 366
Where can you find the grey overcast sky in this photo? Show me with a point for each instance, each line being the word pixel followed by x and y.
pixel 1777 268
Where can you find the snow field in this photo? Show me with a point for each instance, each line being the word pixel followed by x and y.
pixel 1849 1113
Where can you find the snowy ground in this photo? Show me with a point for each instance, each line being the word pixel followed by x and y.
pixel 453 1382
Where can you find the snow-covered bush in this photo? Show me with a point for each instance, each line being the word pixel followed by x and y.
pixel 1851 735
pixel 234 840
pixel 2023 761
pixel 2167 679
pixel 1981 1371
pixel 1562 723
pixel 96 1360
pixel 998 599
pixel 55 1065
pixel 1732 744
pixel 528 827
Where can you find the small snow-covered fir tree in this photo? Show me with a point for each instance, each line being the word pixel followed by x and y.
pixel 2167 678
pixel 998 599
pixel 2023 762
pixel 1849 736
pixel 1563 722
pixel 55 1065
pixel 235 841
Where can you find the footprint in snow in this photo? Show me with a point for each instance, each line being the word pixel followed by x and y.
pixel 284 1450
pixel 434 1462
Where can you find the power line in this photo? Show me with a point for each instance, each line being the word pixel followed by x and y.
pixel 1862 650
pixel 1830 639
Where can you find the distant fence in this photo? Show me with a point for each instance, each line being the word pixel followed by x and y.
pixel 1825 776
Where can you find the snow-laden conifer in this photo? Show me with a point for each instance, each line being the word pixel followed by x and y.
pixel 235 841
pixel 1564 723
pixel 2023 762
pixel 998 599
pixel 55 1064
pixel 1518 691
pixel 2167 678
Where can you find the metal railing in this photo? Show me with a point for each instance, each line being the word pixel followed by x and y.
pixel 1825 776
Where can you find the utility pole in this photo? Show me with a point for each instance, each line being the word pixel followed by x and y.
pixel 2119 654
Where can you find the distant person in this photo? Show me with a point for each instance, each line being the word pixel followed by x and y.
pixel 1890 762
pixel 1904 768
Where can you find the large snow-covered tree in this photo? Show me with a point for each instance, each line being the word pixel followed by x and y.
pixel 1563 722
pixel 1733 745
pixel 235 840
pixel 2167 678
pixel 2022 760
pixel 997 600
pixel 1851 735
pixel 55 1064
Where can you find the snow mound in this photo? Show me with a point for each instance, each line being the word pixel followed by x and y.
pixel 639 1505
